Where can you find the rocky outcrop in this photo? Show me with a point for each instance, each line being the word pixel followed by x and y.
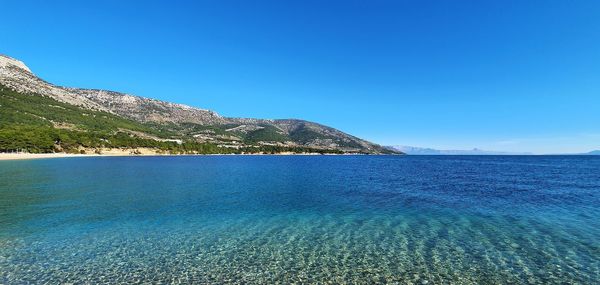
pixel 16 75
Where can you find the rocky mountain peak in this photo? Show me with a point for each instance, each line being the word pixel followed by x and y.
pixel 17 76
pixel 7 61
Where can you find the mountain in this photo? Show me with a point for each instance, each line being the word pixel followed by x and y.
pixel 429 151
pixel 30 102
pixel 594 152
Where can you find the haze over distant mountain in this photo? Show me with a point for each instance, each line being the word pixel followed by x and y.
pixel 430 151
pixel 593 152
pixel 29 112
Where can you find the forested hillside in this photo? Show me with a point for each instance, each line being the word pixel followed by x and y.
pixel 37 116
pixel 40 124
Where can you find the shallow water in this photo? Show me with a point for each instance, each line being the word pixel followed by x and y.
pixel 301 219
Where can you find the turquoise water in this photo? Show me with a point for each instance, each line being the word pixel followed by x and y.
pixel 301 219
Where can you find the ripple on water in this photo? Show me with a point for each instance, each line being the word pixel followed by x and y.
pixel 406 249
pixel 299 220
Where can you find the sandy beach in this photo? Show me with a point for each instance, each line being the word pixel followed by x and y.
pixel 20 156
pixel 89 153
pixel 124 152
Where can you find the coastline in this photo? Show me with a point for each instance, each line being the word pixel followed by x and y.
pixel 22 156
pixel 27 156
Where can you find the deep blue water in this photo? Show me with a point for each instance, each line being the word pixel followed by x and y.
pixel 301 219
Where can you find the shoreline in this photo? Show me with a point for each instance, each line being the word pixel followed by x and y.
pixel 22 156
pixel 28 156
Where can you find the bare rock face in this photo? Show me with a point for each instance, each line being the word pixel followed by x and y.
pixel 16 75
pixel 6 61
pixel 290 132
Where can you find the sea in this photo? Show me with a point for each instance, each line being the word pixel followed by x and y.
pixel 363 219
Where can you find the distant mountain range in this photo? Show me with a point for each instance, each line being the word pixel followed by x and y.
pixel 430 151
pixel 594 152
pixel 38 116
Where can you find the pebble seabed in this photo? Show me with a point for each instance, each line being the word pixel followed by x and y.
pixel 301 220
pixel 310 248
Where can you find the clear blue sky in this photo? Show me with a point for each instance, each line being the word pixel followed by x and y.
pixel 501 75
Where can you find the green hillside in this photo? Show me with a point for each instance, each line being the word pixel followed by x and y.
pixel 40 124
